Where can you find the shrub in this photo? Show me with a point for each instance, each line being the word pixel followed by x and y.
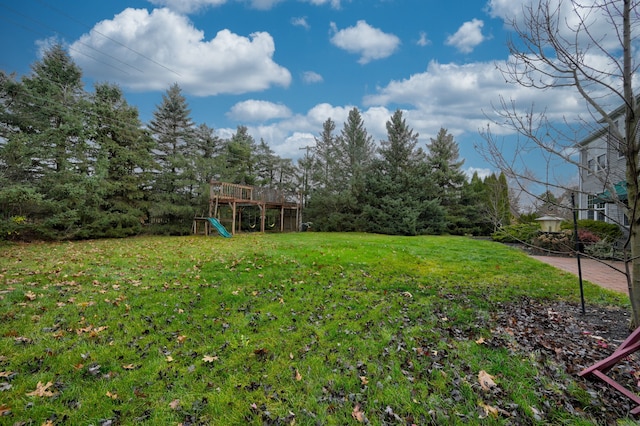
pixel 557 242
pixel 603 230
pixel 519 233
pixel 603 249
pixel 586 236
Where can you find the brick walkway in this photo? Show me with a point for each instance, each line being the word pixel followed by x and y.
pixel 592 271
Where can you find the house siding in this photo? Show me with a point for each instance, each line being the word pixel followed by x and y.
pixel 601 165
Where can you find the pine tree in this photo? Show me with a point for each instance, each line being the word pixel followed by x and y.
pixel 240 158
pixel 398 194
pixel 123 166
pixel 445 168
pixel 44 121
pixel 325 159
pixel 175 180
pixel 356 149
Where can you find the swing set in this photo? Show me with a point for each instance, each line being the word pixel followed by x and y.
pixel 251 208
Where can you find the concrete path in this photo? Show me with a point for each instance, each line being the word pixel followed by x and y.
pixel 592 271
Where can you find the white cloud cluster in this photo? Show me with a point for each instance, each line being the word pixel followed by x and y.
pixel 311 77
pixel 368 42
pixel 468 36
pixel 187 6
pixel 300 22
pixel 150 51
pixel 191 6
pixel 252 111
pixel 334 3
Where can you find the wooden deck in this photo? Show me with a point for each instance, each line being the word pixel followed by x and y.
pixel 235 196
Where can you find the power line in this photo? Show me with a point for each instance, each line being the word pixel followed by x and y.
pixel 70 48
pixel 71 18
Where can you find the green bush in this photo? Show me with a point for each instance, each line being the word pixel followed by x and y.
pixel 606 231
pixel 519 233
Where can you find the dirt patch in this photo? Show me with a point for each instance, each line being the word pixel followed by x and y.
pixel 564 341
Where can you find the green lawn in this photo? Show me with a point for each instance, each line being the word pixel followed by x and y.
pixel 304 328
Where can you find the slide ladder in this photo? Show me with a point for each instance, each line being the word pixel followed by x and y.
pixel 219 227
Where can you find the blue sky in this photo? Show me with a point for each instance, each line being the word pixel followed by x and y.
pixel 282 67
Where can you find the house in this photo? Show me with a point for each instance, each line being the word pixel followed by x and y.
pixel 602 171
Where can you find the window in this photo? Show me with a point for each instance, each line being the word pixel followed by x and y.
pixel 591 166
pixel 602 162
pixel 621 147
pixel 595 209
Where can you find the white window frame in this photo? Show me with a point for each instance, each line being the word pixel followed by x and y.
pixel 596 211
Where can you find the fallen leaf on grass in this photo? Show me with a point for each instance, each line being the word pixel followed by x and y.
pixel 181 339
pixel 358 414
pixel 364 380
pixel 488 410
pixel 112 395
pixel 5 410
pixel 480 341
pixel 486 380
pixel 5 386
pixel 30 295
pixel 42 390
pixel 175 404
pixel 209 358
pixel 169 358
pixel 298 376
pixel 6 373
pixel 129 367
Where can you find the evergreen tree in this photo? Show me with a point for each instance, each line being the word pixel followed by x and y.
pixel 267 163
pixel 123 166
pixel 175 180
pixel 445 168
pixel 208 162
pixel 337 207
pixel 356 149
pixel 324 170
pixel 240 158
pixel 398 196
pixel 44 122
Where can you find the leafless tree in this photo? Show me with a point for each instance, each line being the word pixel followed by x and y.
pixel 586 46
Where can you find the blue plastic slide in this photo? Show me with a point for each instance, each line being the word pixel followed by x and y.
pixel 221 229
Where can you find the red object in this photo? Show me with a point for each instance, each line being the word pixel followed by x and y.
pixel 600 368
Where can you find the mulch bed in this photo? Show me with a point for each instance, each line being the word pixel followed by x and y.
pixel 564 341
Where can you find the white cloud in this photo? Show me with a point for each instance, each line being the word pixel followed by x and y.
pixel 191 6
pixel 368 42
pixel 423 40
pixel 569 16
pixel 468 36
pixel 334 3
pixel 482 172
pixel 150 51
pixel 300 22
pixel 459 97
pixel 188 6
pixel 258 111
pixel 310 77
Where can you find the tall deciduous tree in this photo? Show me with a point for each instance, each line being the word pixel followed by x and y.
pixel 588 47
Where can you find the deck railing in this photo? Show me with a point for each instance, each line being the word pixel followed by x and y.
pixel 233 191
